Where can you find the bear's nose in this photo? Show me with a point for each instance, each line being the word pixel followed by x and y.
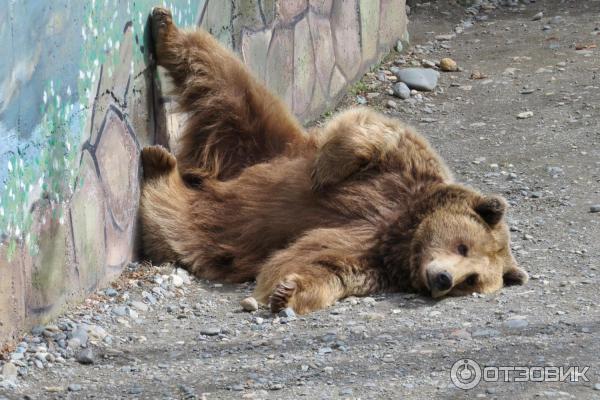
pixel 441 281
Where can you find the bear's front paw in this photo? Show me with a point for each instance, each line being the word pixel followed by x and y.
pixel 281 295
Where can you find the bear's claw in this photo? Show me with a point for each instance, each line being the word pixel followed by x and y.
pixel 281 296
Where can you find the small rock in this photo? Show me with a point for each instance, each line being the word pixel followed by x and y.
pixel 525 115
pixel 136 390
pixel 595 208
pixel 391 104
pixel 444 38
pixel 536 195
pixel 210 331
pixel 120 311
pixel 597 386
pixel 85 356
pixel 401 91
pixel 381 77
pixel 110 292
pixel 361 100
pixel 325 350
pixel 176 280
pixel 9 372
pixel 419 78
pixel 249 304
pixel 74 387
pixel 138 305
pixel 516 323
pixel 399 46
pixel 287 313
pixel 485 333
pixel 448 65
pixel 537 16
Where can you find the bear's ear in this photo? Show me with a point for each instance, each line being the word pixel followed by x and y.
pixel 491 209
pixel 515 276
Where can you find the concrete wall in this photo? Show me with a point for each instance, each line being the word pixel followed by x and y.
pixel 78 99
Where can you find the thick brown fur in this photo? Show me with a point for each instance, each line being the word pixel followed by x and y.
pixel 361 205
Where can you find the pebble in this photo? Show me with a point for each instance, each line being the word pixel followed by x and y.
pixel 419 78
pixel 120 311
pixel 361 100
pixel 596 386
pixel 74 387
pixel 110 292
pixel 443 38
pixel 85 356
pixel 135 390
pixel 9 372
pixel 176 280
pixel 210 331
pixel 401 91
pixel 516 323
pixel 249 304
pixel 391 104
pixel 537 16
pixel 525 115
pixel 485 333
pixel 595 208
pixel 287 313
pixel 536 195
pixel 138 305
pixel 448 65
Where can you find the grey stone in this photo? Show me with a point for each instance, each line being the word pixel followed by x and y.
pixel 536 195
pixel 9 372
pixel 399 46
pixel 37 330
pixel 419 78
pixel 110 292
pixel 149 297
pixel 210 331
pixel 74 387
pixel 287 313
pixel 517 323
pixel 596 386
pixel 81 335
pixel 85 356
pixel 401 90
pixel 138 305
pixel 485 333
pixel 120 311
pixel 136 390
pixel 361 100
pixel 595 208
pixel 537 16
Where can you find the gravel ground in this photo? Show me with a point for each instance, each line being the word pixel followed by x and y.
pixel 521 117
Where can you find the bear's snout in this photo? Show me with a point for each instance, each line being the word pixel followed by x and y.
pixel 439 281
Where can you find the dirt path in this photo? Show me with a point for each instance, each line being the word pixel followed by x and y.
pixel 195 341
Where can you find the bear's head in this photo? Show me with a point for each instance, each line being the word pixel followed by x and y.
pixel 461 245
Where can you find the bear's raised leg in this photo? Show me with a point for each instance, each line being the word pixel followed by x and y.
pixel 233 120
pixel 322 267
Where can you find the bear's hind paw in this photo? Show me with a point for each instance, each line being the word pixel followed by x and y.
pixel 281 295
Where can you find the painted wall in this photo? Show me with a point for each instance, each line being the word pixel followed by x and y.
pixel 79 98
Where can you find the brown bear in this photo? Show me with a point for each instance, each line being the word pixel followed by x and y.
pixel 361 205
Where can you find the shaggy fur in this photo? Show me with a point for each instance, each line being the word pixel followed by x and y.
pixel 362 205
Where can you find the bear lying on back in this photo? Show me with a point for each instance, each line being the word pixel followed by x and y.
pixel 362 205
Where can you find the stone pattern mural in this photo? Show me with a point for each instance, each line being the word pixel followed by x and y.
pixel 308 51
pixel 79 98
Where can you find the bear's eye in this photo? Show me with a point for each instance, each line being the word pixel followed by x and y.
pixel 462 249
pixel 471 280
